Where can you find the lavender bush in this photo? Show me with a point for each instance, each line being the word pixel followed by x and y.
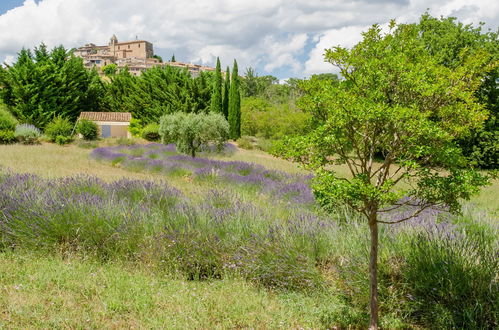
pixel 441 270
pixel 163 158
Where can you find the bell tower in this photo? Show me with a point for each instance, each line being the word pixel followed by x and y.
pixel 112 45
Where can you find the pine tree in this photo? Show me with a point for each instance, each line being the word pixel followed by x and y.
pixel 216 94
pixel 173 58
pixel 225 102
pixel 234 105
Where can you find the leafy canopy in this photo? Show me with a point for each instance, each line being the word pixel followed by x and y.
pixel 399 103
pixel 193 132
pixel 44 84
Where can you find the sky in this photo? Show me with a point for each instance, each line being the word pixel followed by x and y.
pixel 284 38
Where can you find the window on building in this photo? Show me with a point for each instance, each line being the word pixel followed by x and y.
pixel 128 46
pixel 118 47
pixel 139 45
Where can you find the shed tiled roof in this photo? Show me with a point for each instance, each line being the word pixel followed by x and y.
pixel 107 116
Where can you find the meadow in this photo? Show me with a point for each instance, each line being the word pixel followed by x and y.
pixel 140 236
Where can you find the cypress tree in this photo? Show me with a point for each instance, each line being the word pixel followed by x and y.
pixel 225 102
pixel 234 105
pixel 173 58
pixel 216 94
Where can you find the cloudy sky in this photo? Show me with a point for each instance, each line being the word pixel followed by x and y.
pixel 285 38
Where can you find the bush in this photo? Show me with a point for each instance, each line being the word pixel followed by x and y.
pixel 59 127
pixel 88 129
pixel 261 118
pixel 60 140
pixel 135 127
pixel 27 134
pixel 194 132
pixel 7 121
pixel 246 142
pixel 7 137
pixel 151 133
pixel 452 282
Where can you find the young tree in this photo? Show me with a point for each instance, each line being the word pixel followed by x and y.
pixel 397 101
pixel 234 105
pixel 216 94
pixel 193 132
pixel 225 102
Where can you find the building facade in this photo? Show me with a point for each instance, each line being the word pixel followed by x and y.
pixel 136 55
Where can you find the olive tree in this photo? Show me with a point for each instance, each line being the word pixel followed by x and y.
pixel 193 132
pixel 393 122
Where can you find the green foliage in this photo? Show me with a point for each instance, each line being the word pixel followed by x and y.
pixel 43 84
pixel 27 134
pixel 263 119
pixel 246 142
pixel 135 127
pixel 216 95
pixel 59 127
pixel 7 121
pixel 151 132
pixel 371 110
pixel 193 132
pixel 398 99
pixel 7 137
pixel 173 58
pixel 158 91
pixel 225 101
pixel 159 58
pixel 61 139
pixel 234 105
pixel 447 40
pixel 110 69
pixel 88 129
pixel 452 283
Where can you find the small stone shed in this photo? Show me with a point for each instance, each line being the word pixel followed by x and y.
pixel 111 124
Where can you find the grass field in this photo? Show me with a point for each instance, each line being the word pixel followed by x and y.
pixel 50 160
pixel 97 277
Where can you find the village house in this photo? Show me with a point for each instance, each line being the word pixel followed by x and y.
pixel 110 124
pixel 136 55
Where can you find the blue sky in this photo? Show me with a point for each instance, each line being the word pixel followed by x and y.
pixel 279 37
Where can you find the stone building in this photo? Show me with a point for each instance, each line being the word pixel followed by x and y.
pixel 110 124
pixel 137 55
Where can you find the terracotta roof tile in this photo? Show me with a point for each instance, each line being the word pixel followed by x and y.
pixel 107 116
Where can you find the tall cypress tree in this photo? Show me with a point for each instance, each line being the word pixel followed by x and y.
pixel 216 94
pixel 225 102
pixel 234 105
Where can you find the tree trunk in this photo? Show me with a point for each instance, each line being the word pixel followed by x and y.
pixel 373 271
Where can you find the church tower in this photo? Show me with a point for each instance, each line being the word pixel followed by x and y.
pixel 112 45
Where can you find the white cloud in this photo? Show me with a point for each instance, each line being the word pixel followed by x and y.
pixel 282 36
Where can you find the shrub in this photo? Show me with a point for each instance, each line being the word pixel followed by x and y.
pixel 151 132
pixel 194 132
pixel 7 121
pixel 27 134
pixel 135 127
pixel 60 139
pixel 59 127
pixel 452 282
pixel 88 129
pixel 7 137
pixel 246 142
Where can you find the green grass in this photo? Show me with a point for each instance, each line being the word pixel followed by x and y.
pixel 75 289
pixel 40 291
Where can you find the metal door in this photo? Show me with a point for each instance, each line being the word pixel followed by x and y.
pixel 106 131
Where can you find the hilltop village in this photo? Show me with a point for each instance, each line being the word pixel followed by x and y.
pixel 137 55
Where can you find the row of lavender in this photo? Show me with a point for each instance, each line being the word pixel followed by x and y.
pixel 287 248
pixel 164 158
